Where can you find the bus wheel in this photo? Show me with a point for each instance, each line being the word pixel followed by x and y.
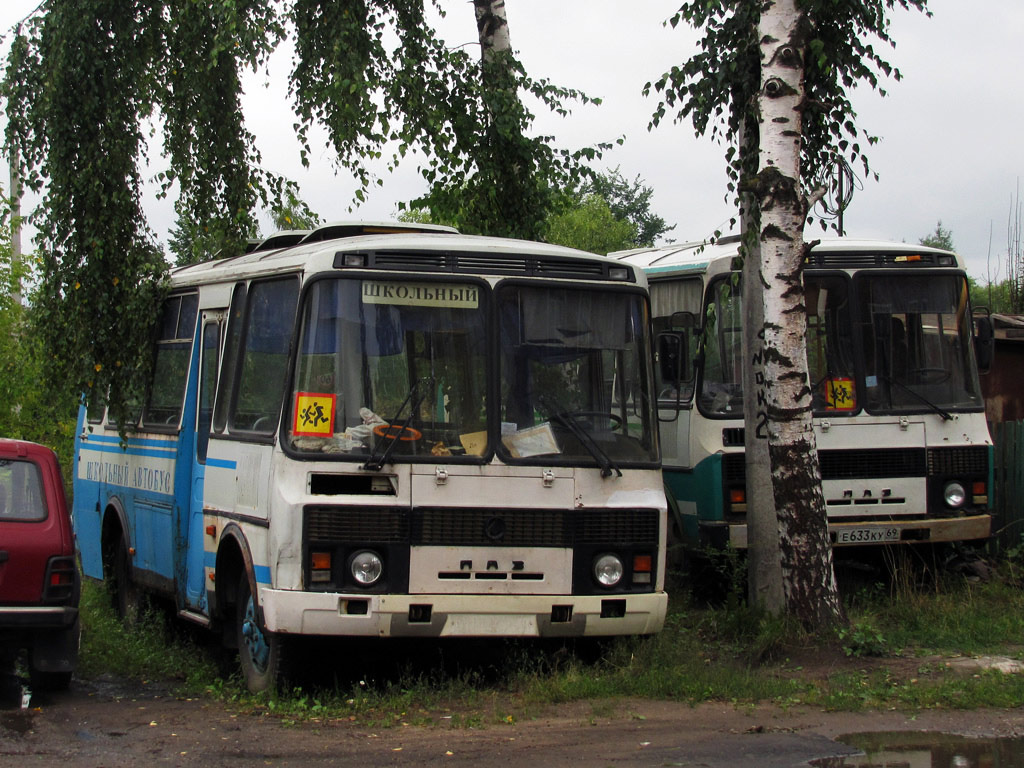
pixel 126 594
pixel 262 654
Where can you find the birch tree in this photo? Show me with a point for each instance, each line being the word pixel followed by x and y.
pixel 87 80
pixel 780 70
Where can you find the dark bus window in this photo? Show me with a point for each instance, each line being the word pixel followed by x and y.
pixel 207 387
pixel 263 359
pixel 170 365
pixel 227 371
pixel 95 407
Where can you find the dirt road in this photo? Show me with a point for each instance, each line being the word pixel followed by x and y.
pixel 112 724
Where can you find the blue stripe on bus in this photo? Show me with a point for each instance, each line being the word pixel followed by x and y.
pixel 168 452
pixel 132 441
pixel 677 268
pixel 221 463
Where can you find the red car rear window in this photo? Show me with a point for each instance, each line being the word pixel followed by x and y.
pixel 21 491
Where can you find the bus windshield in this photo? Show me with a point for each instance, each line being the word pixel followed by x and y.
pixel 391 362
pixel 917 343
pixel 911 350
pixel 574 384
pixel 395 369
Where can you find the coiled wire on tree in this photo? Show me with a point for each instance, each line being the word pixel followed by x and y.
pixel 839 182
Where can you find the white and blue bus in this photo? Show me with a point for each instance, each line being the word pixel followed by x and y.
pixel 898 412
pixel 382 432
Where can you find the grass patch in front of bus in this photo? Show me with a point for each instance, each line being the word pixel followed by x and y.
pixel 895 653
pixel 154 649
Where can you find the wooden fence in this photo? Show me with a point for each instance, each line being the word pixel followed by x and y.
pixel 1008 493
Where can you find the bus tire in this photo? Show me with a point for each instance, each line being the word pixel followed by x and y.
pixel 262 655
pixel 126 595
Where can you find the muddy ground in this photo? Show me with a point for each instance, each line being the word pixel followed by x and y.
pixel 115 723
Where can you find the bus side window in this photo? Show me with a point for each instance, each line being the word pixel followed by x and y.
pixel 207 385
pixel 170 364
pixel 263 359
pixel 95 407
pixel 227 371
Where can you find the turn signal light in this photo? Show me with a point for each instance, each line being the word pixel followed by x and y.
pixel 979 492
pixel 737 500
pixel 642 569
pixel 320 563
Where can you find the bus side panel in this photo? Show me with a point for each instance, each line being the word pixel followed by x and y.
pixel 188 544
pixel 699 495
pixel 674 427
pixel 86 511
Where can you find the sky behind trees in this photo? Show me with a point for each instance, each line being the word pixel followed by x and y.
pixel 949 148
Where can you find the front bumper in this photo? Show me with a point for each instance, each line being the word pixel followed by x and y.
pixel 314 613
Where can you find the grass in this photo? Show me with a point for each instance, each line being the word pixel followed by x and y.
pixel 891 654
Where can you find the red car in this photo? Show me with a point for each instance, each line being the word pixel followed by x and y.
pixel 39 579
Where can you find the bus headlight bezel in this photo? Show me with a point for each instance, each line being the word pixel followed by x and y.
pixel 366 567
pixel 954 494
pixel 608 570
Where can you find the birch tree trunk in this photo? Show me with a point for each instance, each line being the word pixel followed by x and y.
pixel 764 565
pixel 781 391
pixel 492 27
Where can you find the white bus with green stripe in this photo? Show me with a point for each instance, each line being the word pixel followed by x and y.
pixel 899 418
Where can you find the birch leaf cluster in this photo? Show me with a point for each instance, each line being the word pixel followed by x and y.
pixel 96 91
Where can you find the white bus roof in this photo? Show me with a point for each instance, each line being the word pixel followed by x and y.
pixel 413 251
pixel 696 256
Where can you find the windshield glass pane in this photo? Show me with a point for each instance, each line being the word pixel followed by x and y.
pixel 830 355
pixel 917 343
pixel 391 358
pixel 721 392
pixel 575 385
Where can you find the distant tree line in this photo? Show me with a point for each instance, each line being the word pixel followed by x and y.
pixel 1004 296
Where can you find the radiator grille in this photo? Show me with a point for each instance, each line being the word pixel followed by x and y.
pixel 968 460
pixel 508 527
pixel 482 527
pixel 623 526
pixel 874 462
pixel 848 464
pixel 378 524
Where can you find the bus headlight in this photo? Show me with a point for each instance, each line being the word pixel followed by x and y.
pixel 954 495
pixel 608 570
pixel 366 567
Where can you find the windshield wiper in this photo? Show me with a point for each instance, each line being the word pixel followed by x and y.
pixel 946 415
pixel 413 400
pixel 559 414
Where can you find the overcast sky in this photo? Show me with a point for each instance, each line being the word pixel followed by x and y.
pixel 950 130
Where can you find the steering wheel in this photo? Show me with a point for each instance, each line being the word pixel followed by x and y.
pixel 393 431
pixel 615 419
pixel 931 375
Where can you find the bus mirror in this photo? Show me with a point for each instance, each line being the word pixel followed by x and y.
pixel 984 343
pixel 685 320
pixel 672 358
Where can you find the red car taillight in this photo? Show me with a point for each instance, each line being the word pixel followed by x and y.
pixel 59 585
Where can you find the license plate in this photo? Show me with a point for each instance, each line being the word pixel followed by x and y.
pixel 873 535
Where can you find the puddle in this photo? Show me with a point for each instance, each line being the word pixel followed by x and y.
pixel 923 749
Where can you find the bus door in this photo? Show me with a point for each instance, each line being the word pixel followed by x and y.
pixel 193 554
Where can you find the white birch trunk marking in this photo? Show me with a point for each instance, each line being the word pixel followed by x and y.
pixel 808 575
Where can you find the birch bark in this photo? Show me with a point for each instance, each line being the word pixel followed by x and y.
pixel 782 391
